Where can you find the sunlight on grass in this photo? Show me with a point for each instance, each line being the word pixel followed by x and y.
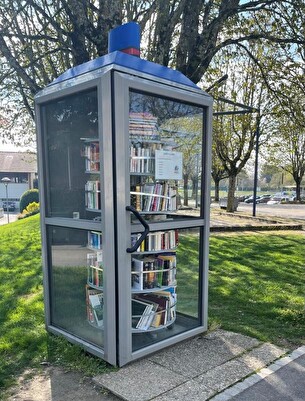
pixel 24 342
pixel 256 287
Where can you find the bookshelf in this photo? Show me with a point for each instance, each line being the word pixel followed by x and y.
pixel 152 191
pixel 153 265
pixel 95 280
pixel 91 153
pixel 153 283
pixel 120 149
pixel 95 270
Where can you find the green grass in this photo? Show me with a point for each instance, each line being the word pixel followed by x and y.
pixel 256 287
pixel 24 342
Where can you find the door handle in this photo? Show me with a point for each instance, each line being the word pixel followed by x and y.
pixel 144 233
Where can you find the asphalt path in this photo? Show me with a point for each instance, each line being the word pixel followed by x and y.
pixel 11 218
pixel 290 211
pixel 286 384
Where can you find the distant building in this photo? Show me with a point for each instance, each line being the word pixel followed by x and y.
pixel 21 169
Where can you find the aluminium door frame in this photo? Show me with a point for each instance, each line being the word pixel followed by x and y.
pixel 106 226
pixel 122 83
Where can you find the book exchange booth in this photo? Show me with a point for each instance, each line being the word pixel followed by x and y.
pixel 124 150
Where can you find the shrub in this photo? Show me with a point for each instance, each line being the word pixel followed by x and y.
pixel 28 197
pixel 30 210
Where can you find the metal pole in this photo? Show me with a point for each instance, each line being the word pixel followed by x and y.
pixel 256 164
pixel 7 211
pixel 197 179
pixel 6 181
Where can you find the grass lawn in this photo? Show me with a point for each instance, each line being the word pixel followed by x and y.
pixel 257 285
pixel 256 288
pixel 24 343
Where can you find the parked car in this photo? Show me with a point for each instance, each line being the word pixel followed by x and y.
pixel 250 199
pixel 11 206
pixel 276 199
pixel 263 199
pixel 293 197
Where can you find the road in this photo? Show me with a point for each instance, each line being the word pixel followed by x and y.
pixel 12 217
pixel 290 211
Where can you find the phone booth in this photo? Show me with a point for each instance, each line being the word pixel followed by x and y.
pixel 124 151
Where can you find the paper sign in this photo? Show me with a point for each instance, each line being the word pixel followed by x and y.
pixel 168 165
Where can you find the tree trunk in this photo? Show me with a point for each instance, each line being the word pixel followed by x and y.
pixel 231 193
pixel 185 188
pixel 298 190
pixel 217 182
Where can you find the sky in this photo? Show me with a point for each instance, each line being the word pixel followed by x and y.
pixel 10 147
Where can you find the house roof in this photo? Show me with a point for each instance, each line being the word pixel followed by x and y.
pixel 18 162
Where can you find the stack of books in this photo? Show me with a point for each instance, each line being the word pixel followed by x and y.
pixel 143 125
pixel 153 272
pixel 153 310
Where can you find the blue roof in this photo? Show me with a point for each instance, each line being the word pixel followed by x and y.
pixel 128 61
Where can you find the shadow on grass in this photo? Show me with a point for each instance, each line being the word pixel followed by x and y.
pixel 256 287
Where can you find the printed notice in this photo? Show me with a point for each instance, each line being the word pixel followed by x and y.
pixel 168 165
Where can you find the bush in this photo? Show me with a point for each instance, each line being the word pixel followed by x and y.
pixel 30 210
pixel 30 196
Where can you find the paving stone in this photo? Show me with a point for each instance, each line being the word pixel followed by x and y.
pixel 140 381
pixel 261 356
pixel 223 376
pixel 202 353
pixel 190 391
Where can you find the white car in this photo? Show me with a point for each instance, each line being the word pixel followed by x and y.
pixel 276 199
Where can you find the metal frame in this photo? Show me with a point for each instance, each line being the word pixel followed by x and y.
pixel 102 85
pixel 122 85
pixel 113 84
pixel 246 110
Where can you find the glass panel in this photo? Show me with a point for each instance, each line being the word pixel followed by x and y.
pixel 72 150
pixel 165 156
pixel 165 286
pixel 76 282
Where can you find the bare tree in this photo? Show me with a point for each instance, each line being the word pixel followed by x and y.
pixel 40 39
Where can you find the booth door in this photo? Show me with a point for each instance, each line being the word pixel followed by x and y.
pixel 162 165
pixel 77 218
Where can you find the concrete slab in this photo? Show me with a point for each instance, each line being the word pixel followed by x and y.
pixel 140 381
pixel 192 390
pixel 261 356
pixel 225 375
pixel 195 369
pixel 202 353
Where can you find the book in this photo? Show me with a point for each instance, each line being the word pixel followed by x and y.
pixel 95 303
pixel 94 240
pixel 137 274
pixel 140 313
pixel 149 279
pixel 92 154
pixel 166 264
pixel 147 311
pixel 163 306
pixel 93 195
pixel 95 268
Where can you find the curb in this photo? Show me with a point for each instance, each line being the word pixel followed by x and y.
pixel 257 228
pixel 239 387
